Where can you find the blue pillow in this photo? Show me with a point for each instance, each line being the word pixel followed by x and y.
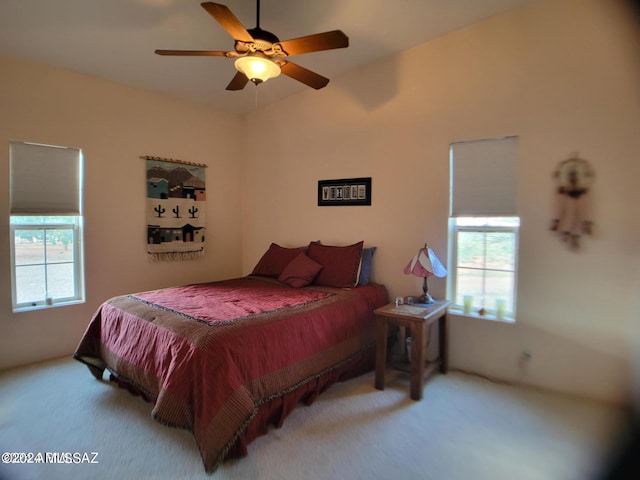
pixel 365 266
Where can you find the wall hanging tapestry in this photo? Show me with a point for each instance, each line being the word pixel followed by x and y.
pixel 176 195
pixel 572 209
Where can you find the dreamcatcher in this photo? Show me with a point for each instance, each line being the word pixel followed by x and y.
pixel 572 207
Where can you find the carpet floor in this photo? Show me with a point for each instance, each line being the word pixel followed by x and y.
pixel 465 428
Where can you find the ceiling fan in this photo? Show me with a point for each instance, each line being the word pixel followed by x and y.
pixel 261 55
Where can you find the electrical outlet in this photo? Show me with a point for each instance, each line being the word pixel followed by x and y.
pixel 525 357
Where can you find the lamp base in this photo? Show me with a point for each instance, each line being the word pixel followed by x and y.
pixel 426 298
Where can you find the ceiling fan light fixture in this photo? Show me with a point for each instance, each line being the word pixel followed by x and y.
pixel 257 68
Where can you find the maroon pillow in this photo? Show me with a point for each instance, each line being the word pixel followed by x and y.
pixel 300 271
pixel 275 259
pixel 341 264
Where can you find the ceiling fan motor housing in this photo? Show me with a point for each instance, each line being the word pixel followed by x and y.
pixel 263 41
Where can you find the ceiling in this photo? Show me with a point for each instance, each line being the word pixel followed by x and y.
pixel 115 39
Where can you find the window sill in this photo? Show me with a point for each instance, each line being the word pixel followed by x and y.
pixel 488 316
pixel 31 308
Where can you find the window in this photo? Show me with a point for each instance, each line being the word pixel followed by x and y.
pixel 485 263
pixel 484 227
pixel 45 226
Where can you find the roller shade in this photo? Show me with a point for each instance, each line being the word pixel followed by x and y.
pixel 44 179
pixel 484 177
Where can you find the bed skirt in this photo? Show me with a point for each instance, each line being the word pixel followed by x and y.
pixel 273 412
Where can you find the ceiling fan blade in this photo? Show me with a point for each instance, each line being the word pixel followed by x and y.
pixel 228 21
pixel 315 43
pixel 237 82
pixel 192 53
pixel 303 75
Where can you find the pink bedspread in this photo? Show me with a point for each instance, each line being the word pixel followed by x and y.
pixel 209 355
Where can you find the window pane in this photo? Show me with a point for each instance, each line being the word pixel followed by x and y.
pixel 499 285
pixel 60 281
pixel 29 247
pixel 42 220
pixel 471 249
pixel 469 282
pixel 59 219
pixel 501 248
pixel 485 286
pixel 60 245
pixel 30 284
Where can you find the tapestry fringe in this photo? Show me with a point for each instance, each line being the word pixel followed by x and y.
pixel 171 256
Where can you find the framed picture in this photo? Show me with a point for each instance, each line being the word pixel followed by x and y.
pixel 346 191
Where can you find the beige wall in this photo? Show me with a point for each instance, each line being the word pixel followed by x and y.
pixel 113 125
pixel 563 76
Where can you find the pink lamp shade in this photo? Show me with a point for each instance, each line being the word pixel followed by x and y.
pixel 424 264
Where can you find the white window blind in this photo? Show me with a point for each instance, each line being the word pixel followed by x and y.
pixel 45 180
pixel 484 177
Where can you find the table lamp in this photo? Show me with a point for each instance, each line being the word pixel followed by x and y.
pixel 424 264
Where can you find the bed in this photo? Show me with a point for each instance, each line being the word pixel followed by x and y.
pixel 227 359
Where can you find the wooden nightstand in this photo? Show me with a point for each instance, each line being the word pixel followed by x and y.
pixel 417 318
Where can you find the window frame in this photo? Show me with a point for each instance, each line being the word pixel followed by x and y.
pixel 454 230
pixel 78 261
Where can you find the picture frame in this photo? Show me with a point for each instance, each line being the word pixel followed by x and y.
pixel 344 191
